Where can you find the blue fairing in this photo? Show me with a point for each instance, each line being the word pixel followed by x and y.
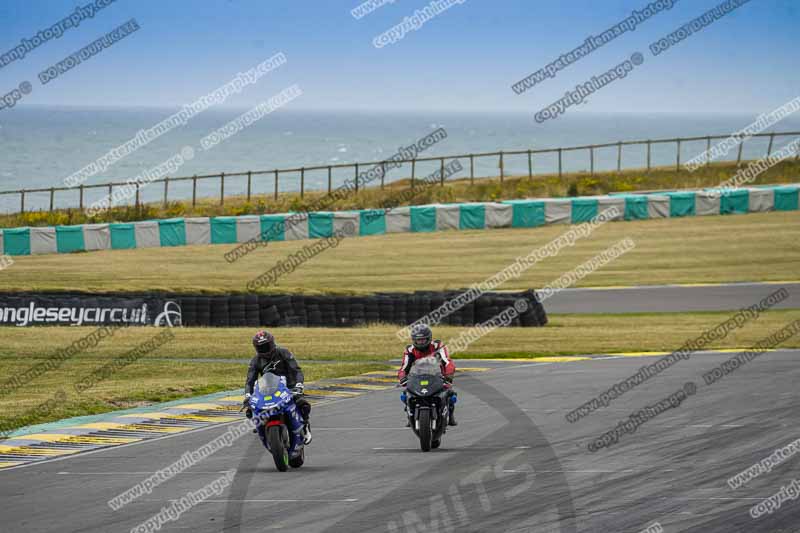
pixel 272 399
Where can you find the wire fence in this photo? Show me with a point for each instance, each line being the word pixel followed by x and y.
pixel 300 174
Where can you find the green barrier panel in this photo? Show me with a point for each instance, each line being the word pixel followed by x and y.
pixel 320 225
pixel 786 198
pixel 69 239
pixel 636 207
pixel 123 236
pixel 172 232
pixel 472 216
pixel 735 201
pixel 372 222
pixel 526 214
pixel 583 209
pixel 223 230
pixel 423 219
pixel 681 204
pixel 273 228
pixel 17 241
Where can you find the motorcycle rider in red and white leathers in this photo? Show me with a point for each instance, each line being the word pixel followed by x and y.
pixel 423 345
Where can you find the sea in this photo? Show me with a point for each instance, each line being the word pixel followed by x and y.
pixel 41 146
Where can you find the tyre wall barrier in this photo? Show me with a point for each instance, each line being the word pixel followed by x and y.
pixel 253 311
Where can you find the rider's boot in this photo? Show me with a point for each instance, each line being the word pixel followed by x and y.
pixel 307 432
pixel 451 419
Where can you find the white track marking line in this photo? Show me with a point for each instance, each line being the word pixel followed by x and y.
pixel 129 473
pixel 348 500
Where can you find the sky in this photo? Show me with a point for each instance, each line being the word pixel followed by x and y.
pixel 464 59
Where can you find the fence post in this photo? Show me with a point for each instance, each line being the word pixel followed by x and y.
pixel 769 148
pixel 166 190
pixel 648 155
pixel 110 194
pixel 302 181
pixel 559 163
pixel 441 171
pixel 678 157
pixel 471 169
pixel 383 172
pixel 708 151
pixel 356 177
pixel 530 165
pixel 276 185
pixel 413 171
pixel 619 156
pixel 194 190
pixel 330 179
pixel 797 157
pixel 591 160
pixel 249 183
pixel 81 200
pixel 137 195
pixel 222 189
pixel 501 167
pixel 52 197
pixel 22 201
pixel 739 157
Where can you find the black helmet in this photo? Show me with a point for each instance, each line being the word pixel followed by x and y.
pixel 264 342
pixel 421 336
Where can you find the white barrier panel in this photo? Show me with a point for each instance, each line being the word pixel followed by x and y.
pixel 96 237
pixel 198 230
pixel 248 228
pixel 146 233
pixel 607 202
pixel 43 241
pixel 296 226
pixel 499 215
pixel 341 220
pixel 398 220
pixel 557 211
pixel 657 206
pixel 706 204
pixel 761 200
pixel 447 216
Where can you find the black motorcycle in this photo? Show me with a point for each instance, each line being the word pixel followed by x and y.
pixel 427 402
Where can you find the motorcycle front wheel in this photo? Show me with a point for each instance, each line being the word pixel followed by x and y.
pixel 425 431
pixel 277 447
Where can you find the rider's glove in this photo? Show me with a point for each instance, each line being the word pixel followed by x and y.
pixel 298 389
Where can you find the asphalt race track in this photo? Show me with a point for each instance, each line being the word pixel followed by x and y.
pixel 514 464
pixel 669 298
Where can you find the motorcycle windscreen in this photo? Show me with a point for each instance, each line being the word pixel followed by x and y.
pixel 426 366
pixel 425 377
pixel 269 384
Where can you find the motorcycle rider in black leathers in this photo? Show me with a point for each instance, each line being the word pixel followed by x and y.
pixel 280 361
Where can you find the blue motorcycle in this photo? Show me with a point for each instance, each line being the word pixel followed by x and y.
pixel 278 421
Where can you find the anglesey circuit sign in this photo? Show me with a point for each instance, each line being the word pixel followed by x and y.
pixel 43 310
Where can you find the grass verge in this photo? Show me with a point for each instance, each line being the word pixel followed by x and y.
pixel 753 247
